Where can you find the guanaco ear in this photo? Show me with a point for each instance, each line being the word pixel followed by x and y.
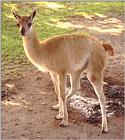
pixel 16 15
pixel 32 15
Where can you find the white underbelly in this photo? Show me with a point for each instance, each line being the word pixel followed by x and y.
pixel 75 67
pixel 80 65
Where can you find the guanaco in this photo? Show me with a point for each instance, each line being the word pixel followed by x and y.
pixel 67 54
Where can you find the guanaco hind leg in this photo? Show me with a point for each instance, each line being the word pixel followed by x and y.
pixel 97 83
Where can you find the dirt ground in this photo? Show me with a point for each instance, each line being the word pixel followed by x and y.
pixel 27 98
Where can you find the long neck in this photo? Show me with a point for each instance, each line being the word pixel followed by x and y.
pixel 31 44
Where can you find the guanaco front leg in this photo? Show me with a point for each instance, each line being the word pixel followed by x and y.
pixel 62 106
pixel 55 83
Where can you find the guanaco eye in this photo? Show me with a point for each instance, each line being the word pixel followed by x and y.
pixel 29 24
pixel 18 24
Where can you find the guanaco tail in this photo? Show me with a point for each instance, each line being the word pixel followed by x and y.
pixel 67 54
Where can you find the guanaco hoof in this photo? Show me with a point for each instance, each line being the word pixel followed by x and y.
pixel 62 124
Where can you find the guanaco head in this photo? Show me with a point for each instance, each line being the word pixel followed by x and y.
pixel 24 22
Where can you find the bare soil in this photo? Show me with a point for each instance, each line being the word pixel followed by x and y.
pixel 27 98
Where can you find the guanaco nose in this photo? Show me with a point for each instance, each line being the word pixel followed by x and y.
pixel 23 31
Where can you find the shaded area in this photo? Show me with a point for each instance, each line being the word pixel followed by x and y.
pixel 10 87
pixel 88 109
pixel 85 103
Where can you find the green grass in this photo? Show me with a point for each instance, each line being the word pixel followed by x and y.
pixel 47 12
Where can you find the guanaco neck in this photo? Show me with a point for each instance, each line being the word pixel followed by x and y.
pixel 31 45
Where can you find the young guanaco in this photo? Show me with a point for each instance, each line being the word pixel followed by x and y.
pixel 66 54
